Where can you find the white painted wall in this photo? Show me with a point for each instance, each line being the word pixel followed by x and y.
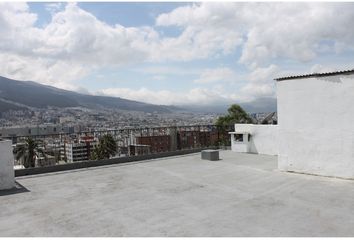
pixel 264 139
pixel 316 125
pixel 241 147
pixel 7 174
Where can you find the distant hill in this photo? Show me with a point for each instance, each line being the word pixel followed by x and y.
pixel 261 105
pixel 5 106
pixel 257 106
pixel 21 94
pixel 16 95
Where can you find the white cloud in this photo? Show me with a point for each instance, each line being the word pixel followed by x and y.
pixel 252 91
pixel 195 43
pixel 53 7
pixel 78 35
pixel 264 74
pixel 159 77
pixel 168 70
pixel 75 43
pixel 318 68
pixel 54 73
pixel 216 75
pixel 269 30
pixel 71 46
pixel 260 84
pixel 195 96
pixel 200 96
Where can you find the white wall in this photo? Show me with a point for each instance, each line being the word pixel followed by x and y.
pixel 316 125
pixel 7 174
pixel 240 147
pixel 264 138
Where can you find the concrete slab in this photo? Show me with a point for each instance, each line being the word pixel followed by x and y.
pixel 243 195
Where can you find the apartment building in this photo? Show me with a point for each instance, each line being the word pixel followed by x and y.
pixel 78 151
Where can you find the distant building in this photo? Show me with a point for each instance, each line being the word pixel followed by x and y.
pixel 158 143
pixel 45 129
pixel 81 151
pixel 66 119
pixel 138 149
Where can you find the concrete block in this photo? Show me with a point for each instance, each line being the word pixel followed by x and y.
pixel 209 154
pixel 7 173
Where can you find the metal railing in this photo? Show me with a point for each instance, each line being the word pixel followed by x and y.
pixel 64 148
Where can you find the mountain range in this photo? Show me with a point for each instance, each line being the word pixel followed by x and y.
pixel 17 95
pixel 23 94
pixel 256 106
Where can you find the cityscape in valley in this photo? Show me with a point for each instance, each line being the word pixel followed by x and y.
pixel 70 134
pixel 69 131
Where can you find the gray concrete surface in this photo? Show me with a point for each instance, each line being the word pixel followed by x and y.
pixel 241 195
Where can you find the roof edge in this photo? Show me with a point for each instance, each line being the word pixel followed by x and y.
pixel 345 72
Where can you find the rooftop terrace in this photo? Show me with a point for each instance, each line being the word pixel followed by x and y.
pixel 241 195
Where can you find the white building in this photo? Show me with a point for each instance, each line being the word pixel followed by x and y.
pixel 315 132
pixel 251 138
pixel 316 124
pixel 74 152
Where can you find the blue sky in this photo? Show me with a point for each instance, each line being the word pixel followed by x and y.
pixel 173 53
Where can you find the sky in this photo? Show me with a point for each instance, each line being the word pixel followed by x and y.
pixel 174 53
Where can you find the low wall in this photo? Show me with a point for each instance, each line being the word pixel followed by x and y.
pixel 96 163
pixel 264 138
pixel 7 177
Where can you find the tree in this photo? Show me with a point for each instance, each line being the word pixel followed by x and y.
pixel 106 148
pixel 236 114
pixel 28 152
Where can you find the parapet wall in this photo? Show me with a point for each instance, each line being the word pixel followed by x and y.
pixel 90 163
pixel 7 174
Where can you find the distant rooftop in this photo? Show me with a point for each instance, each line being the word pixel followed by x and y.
pixel 240 195
pixel 346 72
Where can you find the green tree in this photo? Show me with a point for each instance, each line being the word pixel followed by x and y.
pixel 106 148
pixel 28 152
pixel 235 114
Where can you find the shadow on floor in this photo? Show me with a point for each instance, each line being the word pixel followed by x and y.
pixel 17 189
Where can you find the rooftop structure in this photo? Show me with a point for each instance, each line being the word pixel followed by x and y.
pixel 321 140
pixel 315 75
pixel 241 195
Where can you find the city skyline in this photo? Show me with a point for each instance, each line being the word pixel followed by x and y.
pixel 173 53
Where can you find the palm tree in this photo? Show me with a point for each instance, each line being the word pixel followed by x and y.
pixel 28 152
pixel 106 148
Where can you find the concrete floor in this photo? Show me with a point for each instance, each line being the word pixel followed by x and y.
pixel 241 195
